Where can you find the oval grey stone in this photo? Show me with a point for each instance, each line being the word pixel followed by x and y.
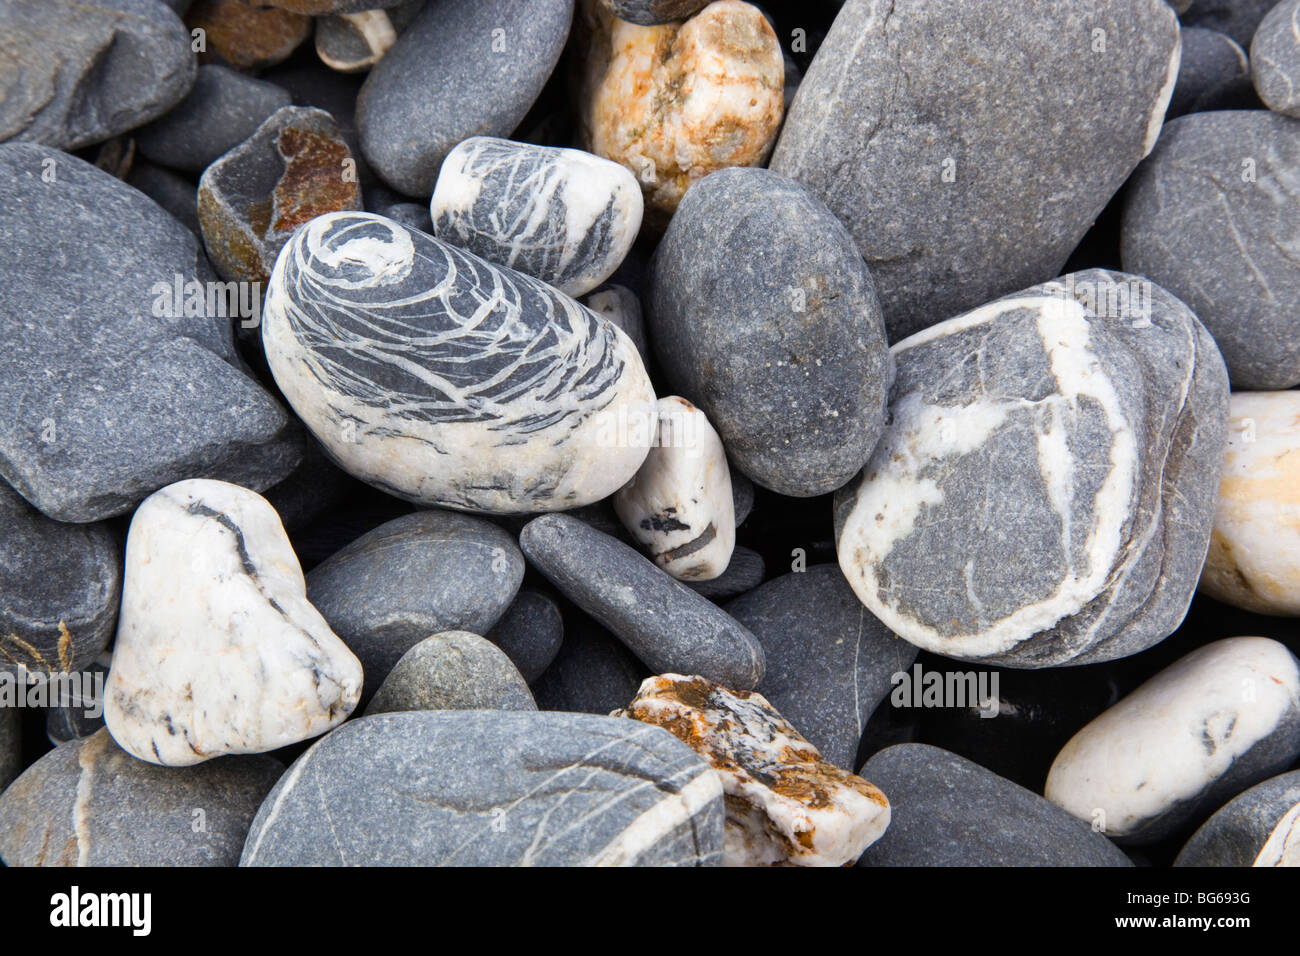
pixel 454 670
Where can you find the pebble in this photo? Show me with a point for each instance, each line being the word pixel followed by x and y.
pixel 223 108
pixel 744 572
pixel 650 13
pixel 1213 74
pixel 762 314
pixel 676 102
pixel 454 670
pixel 89 803
pixel 443 379
pixel 785 804
pixel 666 624
pixel 593 673
pixel 1218 720
pixel 829 662
pixel 1275 58
pixel 948 811
pixel 246 35
pixel 294 168
pixel 1239 19
pixel 81 717
pixel 1254 559
pixel 492 788
pixel 175 194
pixel 530 633
pixel 59 588
pixel 1045 489
pixel 1260 827
pixel 620 305
pixel 422 574
pixel 462 68
pixel 354 41
pixel 959 175
pixel 218 650
pixel 561 215
pixel 115 401
pixel 77 72
pixel 1217 198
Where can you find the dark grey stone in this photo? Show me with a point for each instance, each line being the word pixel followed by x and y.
pixel 964 177
pixel 829 662
pixel 1214 74
pixel 742 496
pixel 649 13
pixel 1235 834
pixel 223 109
pixel 592 674
pixel 492 788
pixel 311 489
pixel 454 670
pixel 530 632
pixel 111 398
pixel 89 803
pixel 409 214
pixel 173 193
pixel 1237 18
pixel 11 745
pixel 666 624
pixel 419 575
pixel 80 718
pixel 77 72
pixel 947 811
pixel 762 313
pixel 1213 216
pixel 321 7
pixel 462 68
pixel 744 571
pixel 1275 58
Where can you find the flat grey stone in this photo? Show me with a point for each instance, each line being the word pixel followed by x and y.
pixel 454 670
pixel 1275 58
pixel 1239 19
pixel 1212 216
pixel 1238 831
pixel 462 68
pixel 530 632
pixel 419 575
pixel 1213 74
pixel 947 811
pixel 762 314
pixel 594 673
pixel 666 624
pixel 964 177
pixel 492 788
pixel 649 13
pixel 89 803
pixel 829 661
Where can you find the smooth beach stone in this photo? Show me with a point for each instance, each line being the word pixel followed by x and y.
pixel 666 624
pixel 218 650
pixel 115 388
pixel 11 745
pixel 948 811
pixel 223 109
pixel 1213 74
pixel 742 489
pixel 1045 489
pixel 785 804
pixel 620 305
pixel 422 574
pixel 175 194
pixel 294 168
pixel 945 137
pixel 674 103
pixel 679 506
pixel 89 803
pixel 454 670
pixel 530 632
pixel 593 673
pixel 1254 559
pixel 1239 19
pixel 560 215
pixel 354 41
pixel 250 36
pixel 492 788
pixel 59 588
pixel 829 662
pixel 762 313
pixel 1212 216
pixel 446 380
pixel 77 72
pixel 650 13
pixel 1275 58
pixel 744 572
pixel 1260 827
pixel 462 68
pixel 1218 720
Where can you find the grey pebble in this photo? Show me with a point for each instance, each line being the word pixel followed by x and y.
pixel 593 673
pixel 530 633
pixel 744 571
pixel 1275 58
pixel 1213 74
pixel 454 670
pixel 1237 832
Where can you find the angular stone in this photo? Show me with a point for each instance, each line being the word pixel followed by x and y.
pixel 443 379
pixel 650 13
pixel 1045 489
pixel 593 673
pixel 785 804
pixel 1275 58
pixel 1213 74
pixel 492 788
pixel 245 35
pixel 963 177
pixel 530 633
pixel 89 803
pixel 218 650
pixel 1218 720
pixel 1260 827
pixel 762 313
pixel 454 670
pixel 665 623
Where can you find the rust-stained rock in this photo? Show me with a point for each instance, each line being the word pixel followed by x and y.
pixel 785 804
pixel 246 35
pixel 294 168
pixel 676 102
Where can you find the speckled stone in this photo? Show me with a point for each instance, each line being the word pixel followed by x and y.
pixel 1275 58
pixel 454 670
pixel 1239 832
pixel 947 811
pixel 244 35
pixel 530 632
pixel 1213 74
pixel 492 788
pixel 653 12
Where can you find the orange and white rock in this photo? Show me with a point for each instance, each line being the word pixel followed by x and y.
pixel 785 804
pixel 678 101
pixel 1254 559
